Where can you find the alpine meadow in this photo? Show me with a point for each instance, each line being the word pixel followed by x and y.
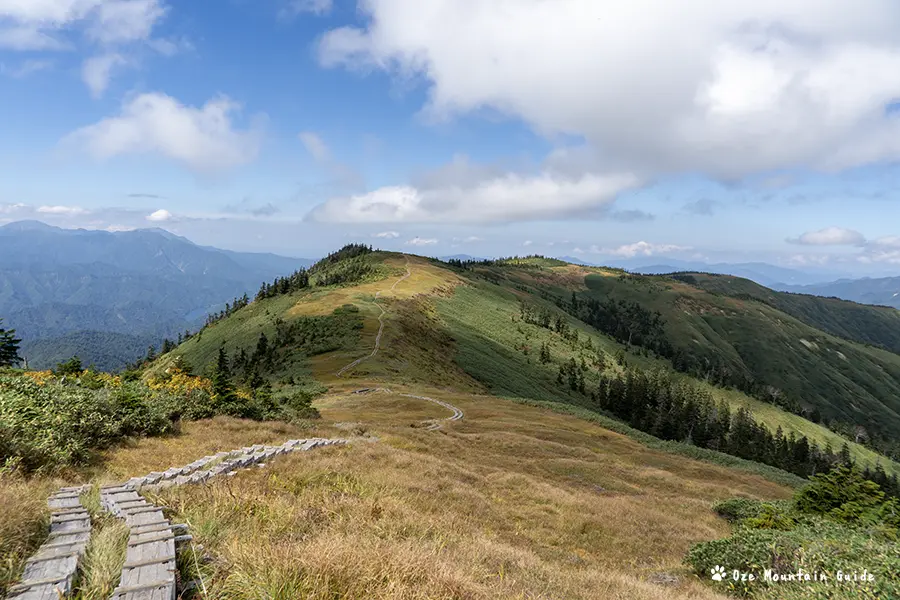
pixel 450 300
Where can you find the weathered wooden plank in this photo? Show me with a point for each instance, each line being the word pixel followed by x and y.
pixel 50 572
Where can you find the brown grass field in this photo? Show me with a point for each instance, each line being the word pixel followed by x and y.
pixel 511 502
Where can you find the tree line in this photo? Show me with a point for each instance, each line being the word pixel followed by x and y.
pixel 657 403
pixel 9 347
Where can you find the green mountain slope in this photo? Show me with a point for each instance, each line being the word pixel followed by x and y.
pixel 463 329
pixel 760 349
pixel 875 325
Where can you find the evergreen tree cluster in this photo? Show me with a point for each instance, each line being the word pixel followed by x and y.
pixel 9 347
pixel 347 252
pixel 230 308
pixel 657 404
pixel 296 281
pixel 518 261
pixel 627 322
pixel 348 271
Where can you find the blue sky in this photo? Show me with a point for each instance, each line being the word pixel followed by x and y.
pixel 763 131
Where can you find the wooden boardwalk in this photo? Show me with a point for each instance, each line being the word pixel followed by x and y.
pixel 150 562
pixel 50 573
pixel 150 571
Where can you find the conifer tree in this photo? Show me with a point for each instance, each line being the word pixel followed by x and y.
pixel 223 391
pixel 9 347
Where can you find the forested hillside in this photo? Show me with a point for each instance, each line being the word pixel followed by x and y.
pixel 541 329
pixel 64 289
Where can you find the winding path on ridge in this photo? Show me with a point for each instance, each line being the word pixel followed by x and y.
pixel 59 559
pixel 356 362
pixel 433 424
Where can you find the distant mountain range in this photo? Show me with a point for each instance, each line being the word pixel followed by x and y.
pixel 107 296
pixel 884 291
pixel 762 273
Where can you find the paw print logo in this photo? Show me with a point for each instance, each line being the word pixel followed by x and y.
pixel 718 573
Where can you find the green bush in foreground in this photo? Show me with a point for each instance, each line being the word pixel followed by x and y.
pixel 52 425
pixel 838 538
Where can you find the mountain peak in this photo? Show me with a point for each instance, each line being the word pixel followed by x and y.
pixel 29 225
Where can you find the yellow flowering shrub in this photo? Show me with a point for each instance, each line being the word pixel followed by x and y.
pixel 179 383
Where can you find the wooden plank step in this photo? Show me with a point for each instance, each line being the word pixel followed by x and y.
pixel 63 532
pixel 154 527
pixel 150 561
pixel 159 538
pixel 121 591
pixel 144 509
pixel 67 518
pixel 25 585
pixel 38 559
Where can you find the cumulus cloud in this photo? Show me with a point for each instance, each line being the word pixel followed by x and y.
pixel 126 20
pixel 61 210
pixel 510 197
pixel 316 7
pixel 204 139
pixel 387 235
pixel 105 26
pixel 41 25
pixel 96 71
pixel 417 241
pixel 641 249
pixel 12 208
pixel 27 68
pixel 315 146
pixel 742 87
pixel 830 236
pixel 160 216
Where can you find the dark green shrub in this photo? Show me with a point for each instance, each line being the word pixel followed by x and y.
pixel 299 406
pixel 844 495
pixel 70 367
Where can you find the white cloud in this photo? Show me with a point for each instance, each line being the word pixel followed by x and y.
pixel 61 210
pixel 417 241
pixel 26 39
pixel 27 68
pixel 204 139
pixel 527 243
pixel 511 197
pixel 830 236
pixel 890 241
pixel 126 20
pixel 12 208
pixel 640 249
pixel 41 24
pixel 118 228
pixel 469 240
pixel 808 260
pixel 315 146
pixel 96 71
pixel 742 87
pixel 160 216
pixel 387 235
pixel 316 7
pixel 109 26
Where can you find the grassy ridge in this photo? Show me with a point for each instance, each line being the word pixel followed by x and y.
pixel 754 341
pixel 878 325
pixel 480 319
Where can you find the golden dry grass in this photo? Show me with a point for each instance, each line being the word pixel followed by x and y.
pixel 511 502
pixel 425 278
pixel 24 520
